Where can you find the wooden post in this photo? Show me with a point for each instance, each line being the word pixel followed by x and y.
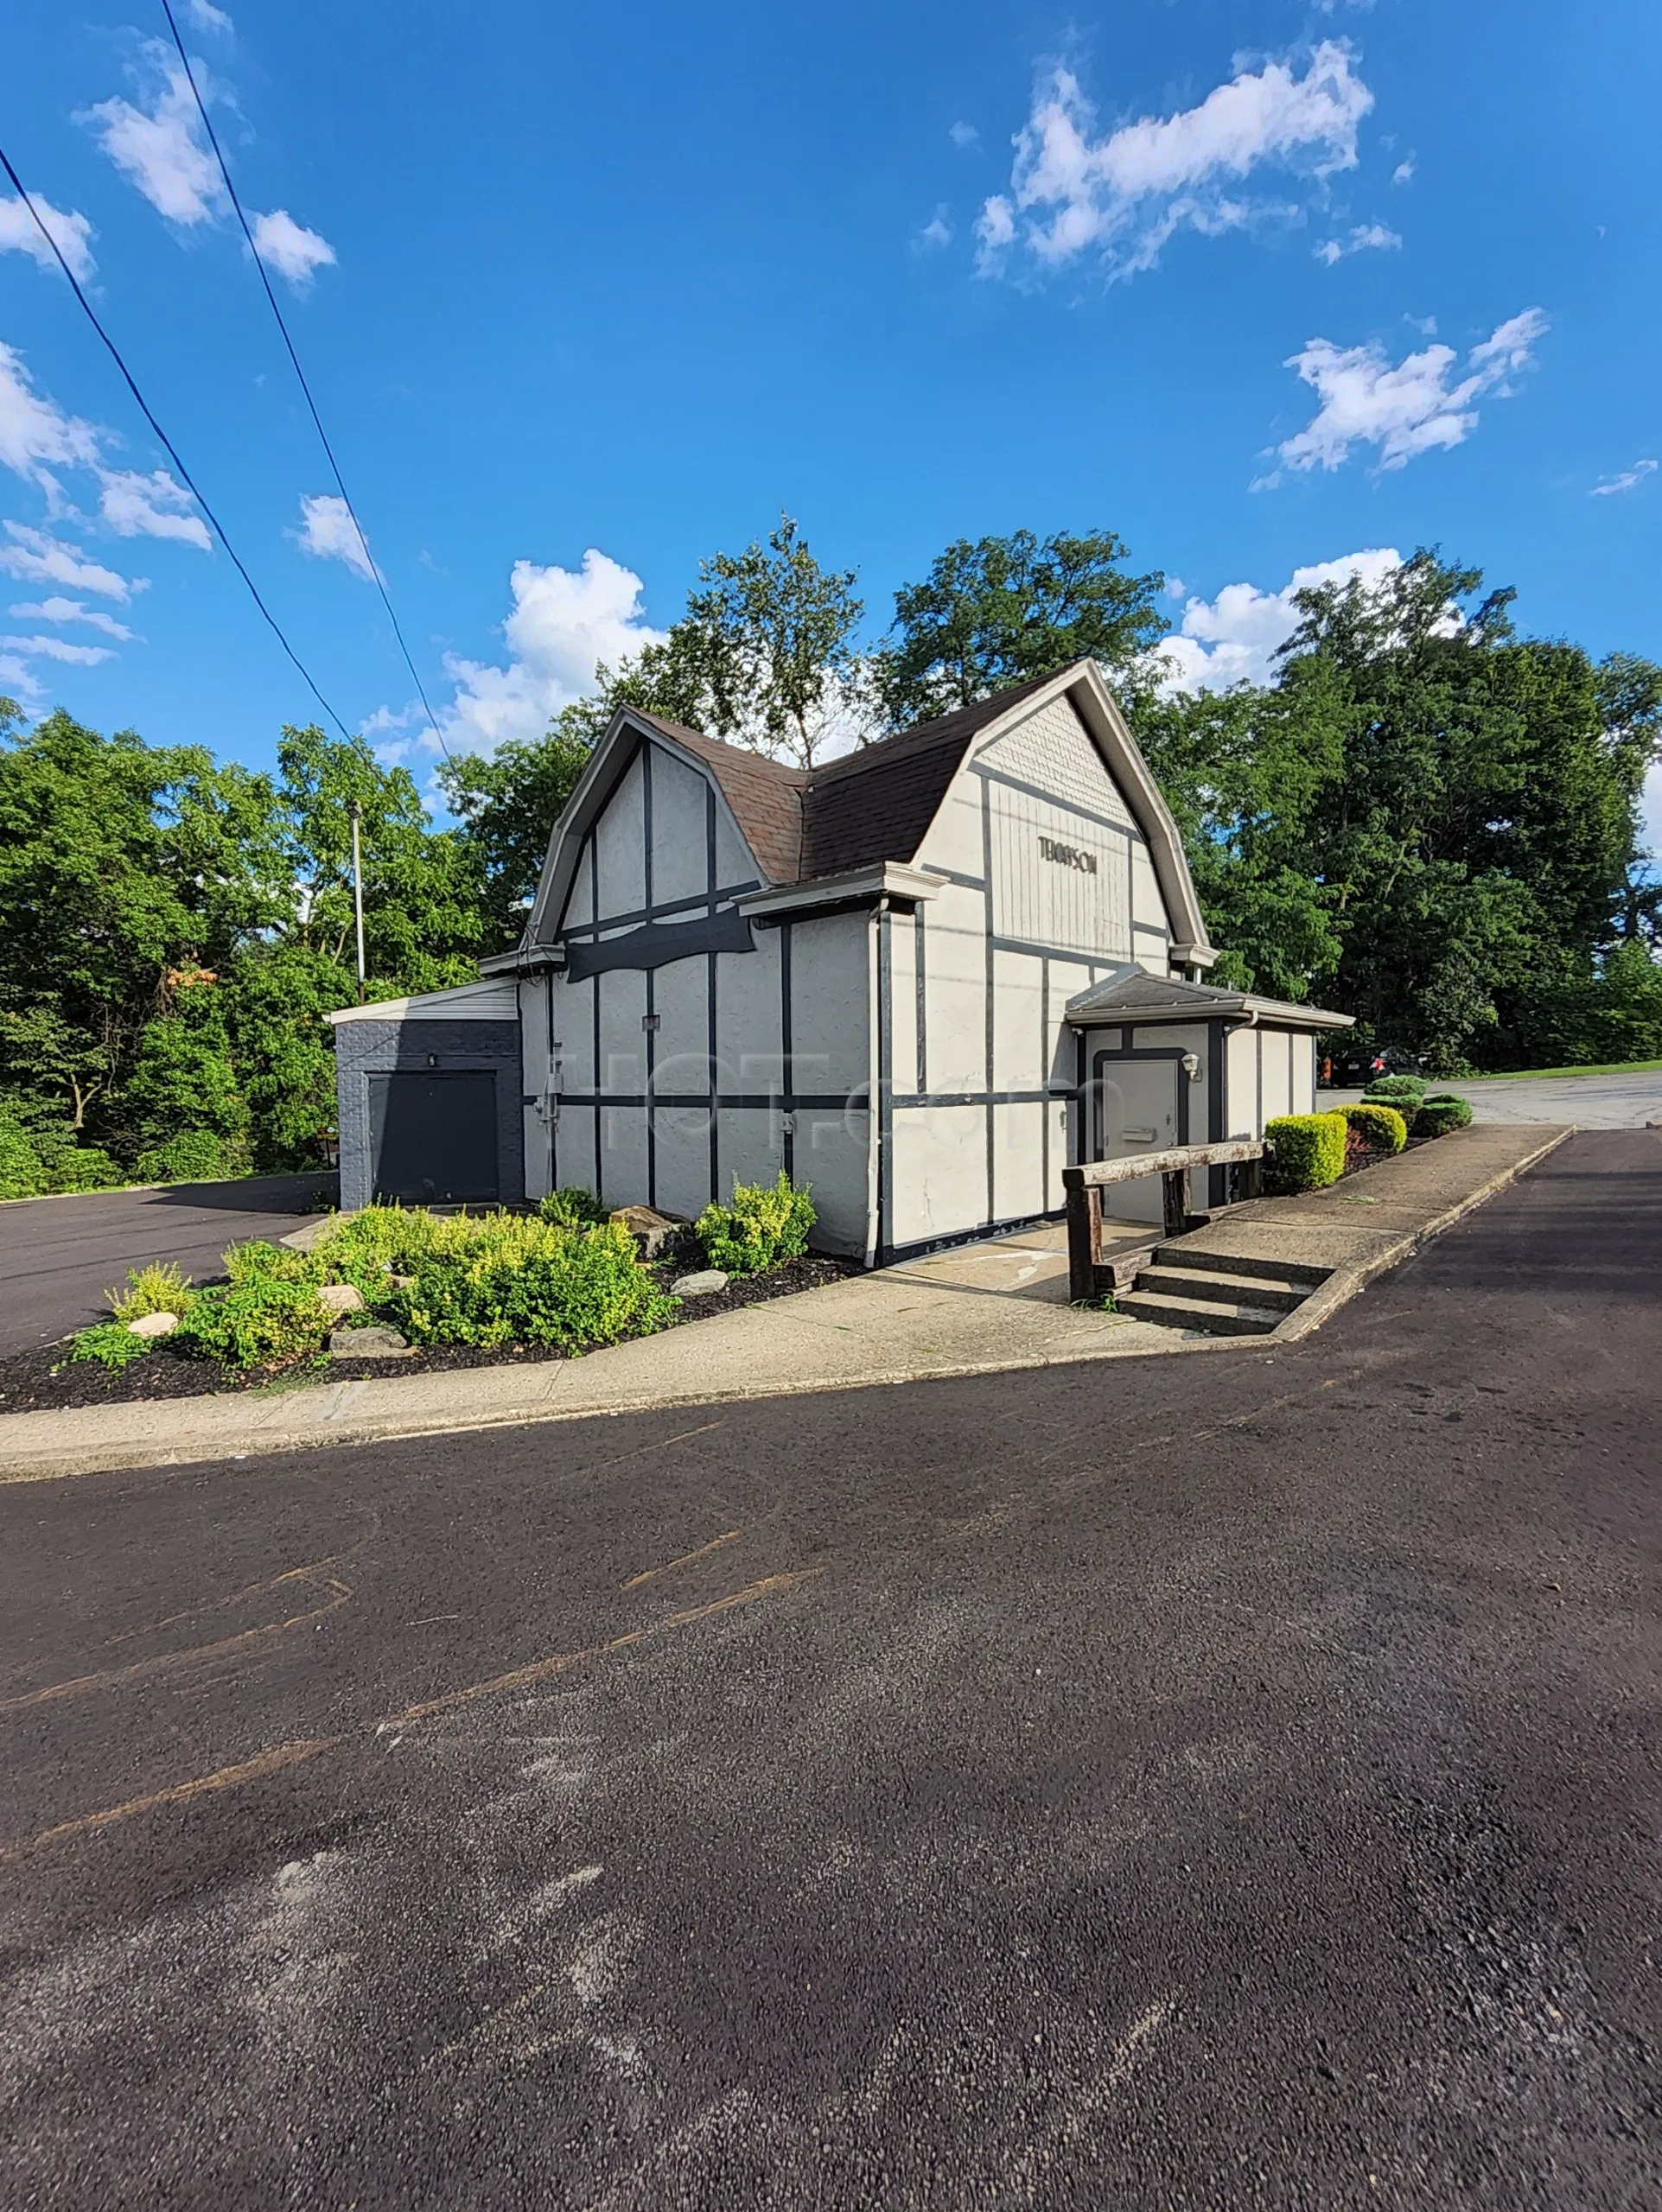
pixel 1083 1239
pixel 1175 1189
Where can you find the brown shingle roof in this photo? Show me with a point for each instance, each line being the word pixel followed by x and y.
pixel 873 805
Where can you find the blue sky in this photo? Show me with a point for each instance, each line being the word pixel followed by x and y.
pixel 584 296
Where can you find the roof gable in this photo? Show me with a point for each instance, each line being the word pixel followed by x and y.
pixel 875 806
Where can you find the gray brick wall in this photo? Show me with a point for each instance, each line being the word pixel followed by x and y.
pixel 366 1048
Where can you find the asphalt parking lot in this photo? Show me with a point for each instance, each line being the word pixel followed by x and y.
pixel 1228 1781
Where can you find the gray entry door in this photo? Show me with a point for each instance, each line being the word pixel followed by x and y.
pixel 434 1137
pixel 1140 1106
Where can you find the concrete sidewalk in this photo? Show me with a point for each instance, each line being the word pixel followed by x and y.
pixel 981 1309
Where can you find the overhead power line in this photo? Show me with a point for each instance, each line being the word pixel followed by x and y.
pixel 190 482
pixel 294 357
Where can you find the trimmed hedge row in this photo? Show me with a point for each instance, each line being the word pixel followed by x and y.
pixel 1307 1151
pixel 1381 1129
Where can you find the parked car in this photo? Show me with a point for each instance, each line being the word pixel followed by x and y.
pixel 1362 1064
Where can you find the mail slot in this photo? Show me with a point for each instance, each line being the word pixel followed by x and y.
pixel 1138 1136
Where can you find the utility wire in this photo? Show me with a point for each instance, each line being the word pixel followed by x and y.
pixel 289 343
pixel 172 450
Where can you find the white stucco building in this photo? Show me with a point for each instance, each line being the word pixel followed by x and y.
pixel 922 978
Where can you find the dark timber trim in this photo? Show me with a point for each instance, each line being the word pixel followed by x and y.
pixel 667 911
pixel 1217 1106
pixel 724 930
pixel 786 1046
pixel 1051 799
pixel 885 1076
pixel 710 974
pixel 650 1024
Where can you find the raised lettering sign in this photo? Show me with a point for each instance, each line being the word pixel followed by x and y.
pixel 1067 856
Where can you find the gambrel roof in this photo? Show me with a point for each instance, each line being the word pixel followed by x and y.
pixel 874 806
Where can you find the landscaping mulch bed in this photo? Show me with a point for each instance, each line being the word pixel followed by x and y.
pixel 44 1380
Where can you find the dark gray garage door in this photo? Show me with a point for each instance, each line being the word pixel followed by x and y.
pixel 434 1137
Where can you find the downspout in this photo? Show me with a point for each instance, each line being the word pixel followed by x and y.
pixel 878 1225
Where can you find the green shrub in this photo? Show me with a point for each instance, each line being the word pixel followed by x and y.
pixel 1308 1151
pixel 160 1288
pixel 571 1208
pixel 504 1278
pixel 1381 1129
pixel 22 1172
pixel 112 1344
pixel 260 1262
pixel 260 1323
pixel 193 1156
pixel 760 1228
pixel 86 1167
pixel 1403 1090
pixel 1440 1114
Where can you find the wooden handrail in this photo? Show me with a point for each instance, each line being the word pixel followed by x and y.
pixel 1083 1186
pixel 1177 1161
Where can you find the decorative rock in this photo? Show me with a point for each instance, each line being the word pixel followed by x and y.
pixel 704 1285
pixel 651 1230
pixel 369 1344
pixel 341 1298
pixel 153 1325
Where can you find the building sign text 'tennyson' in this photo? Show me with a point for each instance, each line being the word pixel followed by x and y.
pixel 1067 856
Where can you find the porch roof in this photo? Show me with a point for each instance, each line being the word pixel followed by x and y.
pixel 1139 997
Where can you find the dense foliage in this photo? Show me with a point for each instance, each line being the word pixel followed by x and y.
pixel 761 1227
pixel 1307 1151
pixel 1424 820
pixel 487 1279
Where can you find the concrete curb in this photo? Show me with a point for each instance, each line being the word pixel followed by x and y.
pixel 1345 1283
pixel 235 1434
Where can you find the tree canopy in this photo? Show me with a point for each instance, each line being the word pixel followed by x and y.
pixel 1424 819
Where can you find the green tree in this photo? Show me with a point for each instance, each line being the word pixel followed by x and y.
pixel 995 611
pixel 764 656
pixel 508 805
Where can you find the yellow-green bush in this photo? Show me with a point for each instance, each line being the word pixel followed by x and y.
pixel 1381 1129
pixel 1307 1150
pixel 760 1228
pixel 161 1287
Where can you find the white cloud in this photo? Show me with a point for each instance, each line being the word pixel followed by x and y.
pixel 937 230
pixel 1625 482
pixel 964 136
pixel 564 623
pixel 1125 194
pixel 59 649
pixel 136 505
pixel 1232 639
pixel 162 149
pixel 68 610
pixel 18 681
pixel 1406 409
pixel 289 248
pixel 328 532
pixel 35 557
pixel 34 431
pixel 208 17
pixel 1403 172
pixel 21 233
pixel 1364 238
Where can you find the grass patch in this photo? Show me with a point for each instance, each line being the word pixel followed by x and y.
pixel 1600 1067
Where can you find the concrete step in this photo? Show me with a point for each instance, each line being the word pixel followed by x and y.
pixel 1217 1288
pixel 1239 1263
pixel 1216 1317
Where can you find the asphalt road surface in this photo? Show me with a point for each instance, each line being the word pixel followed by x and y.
pixel 1227 1781
pixel 58 1256
pixel 1592 1102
